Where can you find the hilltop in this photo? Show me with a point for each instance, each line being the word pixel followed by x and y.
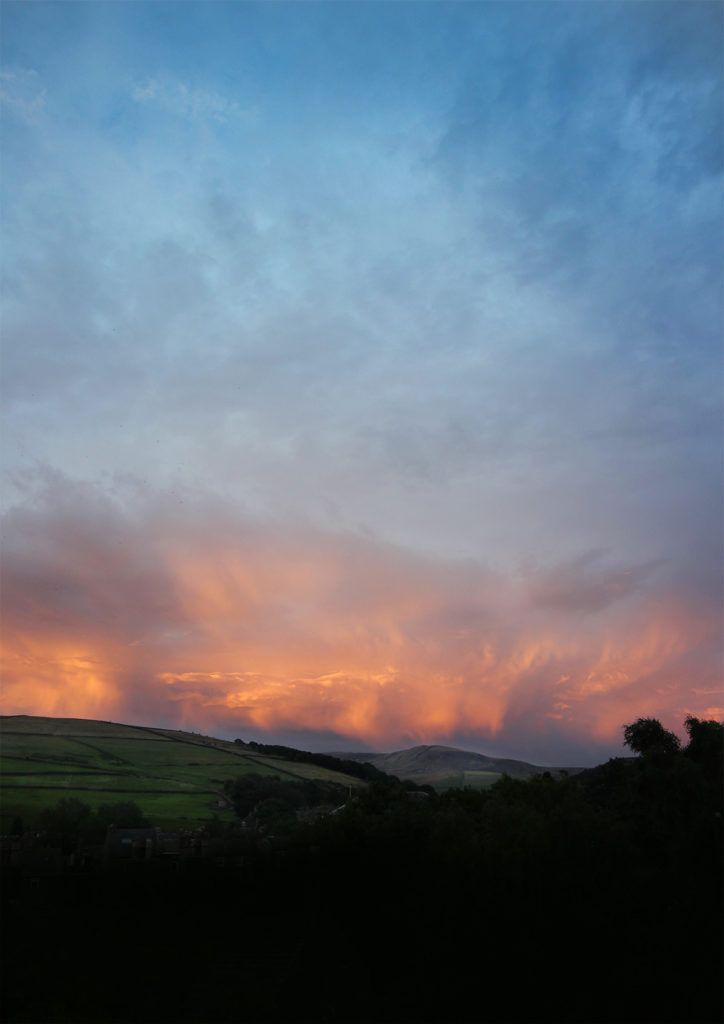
pixel 390 908
pixel 180 778
pixel 448 767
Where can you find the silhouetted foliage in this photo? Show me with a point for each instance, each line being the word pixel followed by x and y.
pixel 274 801
pixel 122 814
pixel 706 742
pixel 601 891
pixel 71 823
pixel 647 736
pixel 358 770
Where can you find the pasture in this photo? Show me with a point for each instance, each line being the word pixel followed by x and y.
pixel 176 778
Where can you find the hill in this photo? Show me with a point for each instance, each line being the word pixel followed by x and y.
pixel 605 895
pixel 448 767
pixel 176 778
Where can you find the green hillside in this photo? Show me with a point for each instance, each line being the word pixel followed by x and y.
pixel 176 778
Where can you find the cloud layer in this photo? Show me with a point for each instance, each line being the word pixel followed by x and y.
pixel 362 365
pixel 188 614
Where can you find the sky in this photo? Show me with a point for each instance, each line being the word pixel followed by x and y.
pixel 362 370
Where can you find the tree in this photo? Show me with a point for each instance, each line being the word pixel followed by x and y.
pixel 123 814
pixel 705 749
pixel 69 823
pixel 647 736
pixel 706 741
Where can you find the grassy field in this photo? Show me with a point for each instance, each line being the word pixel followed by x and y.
pixel 176 778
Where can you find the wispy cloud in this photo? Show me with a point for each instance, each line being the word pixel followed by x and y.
pixel 183 100
pixel 422 365
pixel 197 615
pixel 22 93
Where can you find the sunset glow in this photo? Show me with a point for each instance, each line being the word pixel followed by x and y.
pixel 333 635
pixel 362 370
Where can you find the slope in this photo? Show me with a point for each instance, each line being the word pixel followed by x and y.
pixel 448 767
pixel 176 778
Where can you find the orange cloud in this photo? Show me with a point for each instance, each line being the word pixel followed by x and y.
pixel 56 678
pixel 212 623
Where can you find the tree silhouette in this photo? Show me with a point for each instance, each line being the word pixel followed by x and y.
pixel 706 741
pixel 647 736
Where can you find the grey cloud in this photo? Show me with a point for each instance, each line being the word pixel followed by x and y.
pixel 73 559
pixel 563 176
pixel 585 585
pixel 187 603
pixel 581 145
pixel 331 327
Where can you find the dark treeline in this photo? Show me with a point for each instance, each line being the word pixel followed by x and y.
pixel 275 803
pixel 72 824
pixel 357 769
pixel 595 898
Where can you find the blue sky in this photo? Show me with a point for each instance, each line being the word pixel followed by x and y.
pixel 443 280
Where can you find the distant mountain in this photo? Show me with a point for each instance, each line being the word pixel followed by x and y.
pixel 179 777
pixel 448 767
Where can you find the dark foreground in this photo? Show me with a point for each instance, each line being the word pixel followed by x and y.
pixel 586 900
